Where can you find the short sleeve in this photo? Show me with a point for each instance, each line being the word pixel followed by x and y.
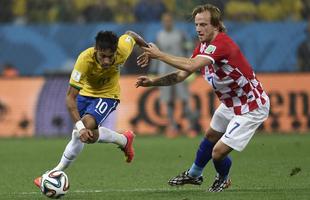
pixel 195 52
pixel 125 45
pixel 79 72
pixel 216 51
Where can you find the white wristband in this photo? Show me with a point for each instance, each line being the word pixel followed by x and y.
pixel 79 125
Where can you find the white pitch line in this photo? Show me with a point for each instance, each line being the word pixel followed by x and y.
pixel 136 190
pixel 120 190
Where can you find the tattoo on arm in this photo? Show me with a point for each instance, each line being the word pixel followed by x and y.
pixel 169 79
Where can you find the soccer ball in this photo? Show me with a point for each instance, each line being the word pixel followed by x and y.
pixel 54 184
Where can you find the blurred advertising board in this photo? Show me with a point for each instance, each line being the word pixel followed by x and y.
pixel 18 101
pixel 289 95
pixel 36 106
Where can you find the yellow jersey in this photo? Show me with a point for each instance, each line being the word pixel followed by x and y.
pixel 95 81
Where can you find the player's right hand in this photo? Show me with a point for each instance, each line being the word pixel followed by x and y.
pixel 143 60
pixel 86 135
pixel 152 51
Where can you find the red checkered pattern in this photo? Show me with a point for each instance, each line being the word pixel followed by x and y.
pixel 230 75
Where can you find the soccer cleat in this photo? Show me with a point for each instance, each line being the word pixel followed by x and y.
pixel 128 149
pixel 219 184
pixel 185 178
pixel 37 181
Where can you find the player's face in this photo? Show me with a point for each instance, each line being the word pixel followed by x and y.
pixel 205 30
pixel 105 57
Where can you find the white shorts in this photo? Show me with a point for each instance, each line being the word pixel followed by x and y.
pixel 238 129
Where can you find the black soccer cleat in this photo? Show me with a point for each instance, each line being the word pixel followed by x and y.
pixel 219 184
pixel 184 178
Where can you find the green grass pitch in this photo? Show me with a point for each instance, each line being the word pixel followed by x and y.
pixel 266 169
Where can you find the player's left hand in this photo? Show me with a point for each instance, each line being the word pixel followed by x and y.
pixel 143 81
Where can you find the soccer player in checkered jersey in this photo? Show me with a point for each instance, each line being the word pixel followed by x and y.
pixel 244 104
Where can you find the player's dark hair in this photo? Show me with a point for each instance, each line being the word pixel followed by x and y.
pixel 106 40
pixel 216 16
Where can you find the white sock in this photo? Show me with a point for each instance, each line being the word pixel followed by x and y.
pixel 72 150
pixel 108 136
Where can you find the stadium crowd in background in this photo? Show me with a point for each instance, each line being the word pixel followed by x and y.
pixel 130 11
pixel 303 52
pixel 138 12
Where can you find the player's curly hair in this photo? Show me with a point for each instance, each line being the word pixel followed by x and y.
pixel 216 16
pixel 106 40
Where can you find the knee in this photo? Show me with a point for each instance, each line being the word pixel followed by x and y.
pixel 217 154
pixel 213 136
pixel 89 122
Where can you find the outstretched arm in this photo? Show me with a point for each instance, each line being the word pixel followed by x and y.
pixel 187 64
pixel 165 80
pixel 139 40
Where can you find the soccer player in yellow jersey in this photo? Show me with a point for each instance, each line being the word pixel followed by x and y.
pixel 94 93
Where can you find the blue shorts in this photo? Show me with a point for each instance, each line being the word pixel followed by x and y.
pixel 99 108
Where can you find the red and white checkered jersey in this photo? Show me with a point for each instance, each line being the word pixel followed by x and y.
pixel 230 75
